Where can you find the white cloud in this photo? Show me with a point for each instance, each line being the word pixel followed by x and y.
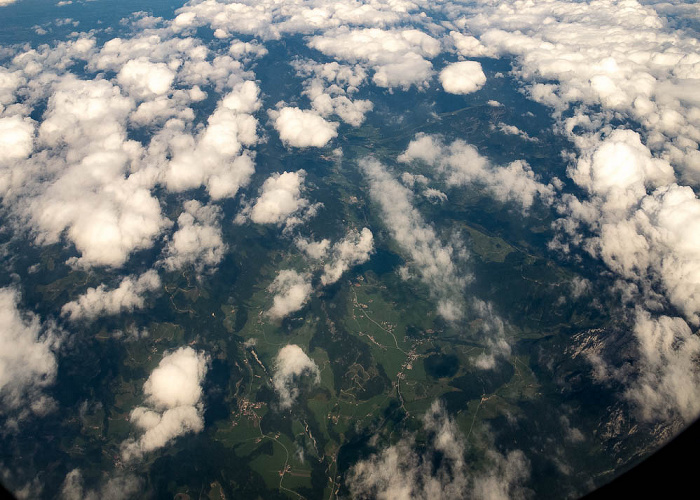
pixel 668 382
pixel 270 19
pixel 402 472
pixel 469 46
pixel 129 295
pixel 88 190
pixel 214 158
pixel 435 196
pixel 462 77
pixel 240 50
pixel 351 251
pixel 461 164
pixel 303 128
pixel 120 487
pixel 27 358
pixel 513 130
pixel 143 78
pixel 174 396
pixel 619 170
pixel 198 240
pixel 410 180
pixel 433 261
pixel 280 201
pixel 314 249
pixel 16 137
pixel 4 3
pixel 605 62
pixel 291 290
pixel 291 364
pixel 397 56
pixel 329 86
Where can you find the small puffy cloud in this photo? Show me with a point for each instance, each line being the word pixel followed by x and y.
pixel 4 3
pixel 27 358
pixel 291 364
pixel 438 469
pixel 280 200
pixel 313 249
pixel 240 50
pixel 174 397
pixel 100 301
pixel 434 196
pixel 143 78
pixel 198 240
pixel 351 251
pixel 462 77
pixel 619 170
pixel 513 130
pixel 16 137
pixel 303 128
pixel 291 290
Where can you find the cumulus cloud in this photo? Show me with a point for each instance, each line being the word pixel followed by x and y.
pixel 270 19
pixel 291 363
pixel 143 78
pixel 469 46
pixel 27 358
pixel 303 128
pixel 314 249
pixel 353 250
pixel 596 65
pixel 291 290
pixel 513 130
pixel 462 77
pixel 597 55
pixel 329 87
pixel 397 56
pixel 280 201
pixel 434 195
pixel 644 225
pixel 461 164
pixel 668 382
pixel 174 397
pixel 434 261
pixel 198 240
pixel 16 137
pixel 438 470
pixel 86 190
pixel 120 487
pixel 129 295
pixel 216 157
